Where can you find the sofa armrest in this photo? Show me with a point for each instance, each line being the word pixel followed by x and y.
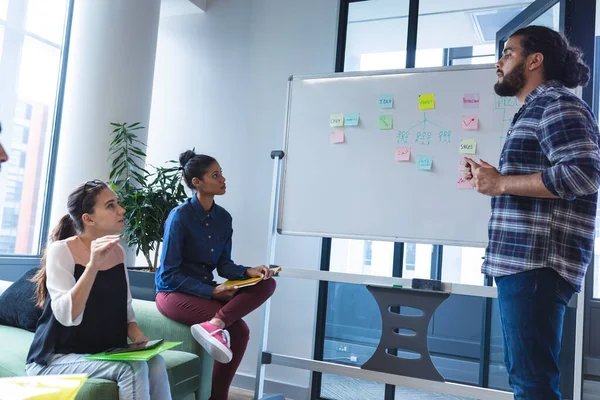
pixel 156 326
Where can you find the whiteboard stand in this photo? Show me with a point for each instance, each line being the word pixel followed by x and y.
pixel 265 357
pixel 277 156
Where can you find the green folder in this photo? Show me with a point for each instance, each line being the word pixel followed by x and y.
pixel 141 355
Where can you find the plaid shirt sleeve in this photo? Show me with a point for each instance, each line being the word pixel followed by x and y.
pixel 567 139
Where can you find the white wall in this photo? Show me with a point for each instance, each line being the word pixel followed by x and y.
pixel 220 86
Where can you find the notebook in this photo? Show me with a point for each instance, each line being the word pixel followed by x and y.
pixel 251 281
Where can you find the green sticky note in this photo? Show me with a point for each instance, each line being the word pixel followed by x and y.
pixel 426 101
pixel 385 122
pixel 468 146
pixel 336 120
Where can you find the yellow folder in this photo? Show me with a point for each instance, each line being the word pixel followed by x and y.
pixel 250 281
pixel 42 387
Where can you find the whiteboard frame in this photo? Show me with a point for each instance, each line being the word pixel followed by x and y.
pixel 341 75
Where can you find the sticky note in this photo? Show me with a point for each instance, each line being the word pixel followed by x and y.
pixel 426 101
pixel 352 119
pixel 462 183
pixel 386 101
pixel 470 122
pixel 424 162
pixel 468 146
pixel 462 164
pixel 336 120
pixel 385 122
pixel 471 100
pixel 402 153
pixel 337 136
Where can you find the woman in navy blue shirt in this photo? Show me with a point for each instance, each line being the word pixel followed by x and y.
pixel 197 240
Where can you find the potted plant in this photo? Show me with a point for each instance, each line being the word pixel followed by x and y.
pixel 147 197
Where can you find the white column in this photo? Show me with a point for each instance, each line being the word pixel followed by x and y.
pixel 109 78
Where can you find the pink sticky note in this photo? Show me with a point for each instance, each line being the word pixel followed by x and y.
pixel 470 122
pixel 402 153
pixel 462 183
pixel 471 100
pixel 462 164
pixel 337 136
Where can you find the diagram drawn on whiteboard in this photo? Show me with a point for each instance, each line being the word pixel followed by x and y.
pixel 425 132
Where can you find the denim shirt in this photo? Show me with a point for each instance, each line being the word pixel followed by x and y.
pixel 195 243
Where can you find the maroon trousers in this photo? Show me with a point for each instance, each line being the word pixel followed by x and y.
pixel 192 310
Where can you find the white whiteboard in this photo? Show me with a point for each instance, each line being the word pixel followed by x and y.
pixel 357 189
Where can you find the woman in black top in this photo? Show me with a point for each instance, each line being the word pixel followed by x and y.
pixel 83 289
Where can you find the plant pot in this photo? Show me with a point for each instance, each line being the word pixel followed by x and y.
pixel 141 283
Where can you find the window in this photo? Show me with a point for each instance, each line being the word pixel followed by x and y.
pixel 362 257
pixel 417 260
pixel 31 54
pixel 462 24
pixel 367 252
pixel 376 35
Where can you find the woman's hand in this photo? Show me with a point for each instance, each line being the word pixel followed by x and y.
pixel 222 293
pixel 140 340
pixel 262 271
pixel 100 250
pixel 135 334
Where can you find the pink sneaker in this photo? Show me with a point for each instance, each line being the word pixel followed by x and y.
pixel 214 340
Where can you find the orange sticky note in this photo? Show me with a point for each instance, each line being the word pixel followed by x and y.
pixel 470 122
pixel 462 183
pixel 337 136
pixel 462 164
pixel 402 153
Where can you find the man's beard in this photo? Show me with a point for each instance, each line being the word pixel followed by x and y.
pixel 512 82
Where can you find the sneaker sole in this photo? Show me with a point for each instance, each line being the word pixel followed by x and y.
pixel 216 349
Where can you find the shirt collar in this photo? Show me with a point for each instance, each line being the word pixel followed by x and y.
pixel 541 89
pixel 199 210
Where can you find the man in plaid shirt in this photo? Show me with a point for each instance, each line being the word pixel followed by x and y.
pixel 544 197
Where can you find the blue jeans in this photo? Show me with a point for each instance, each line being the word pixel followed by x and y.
pixel 532 308
pixel 137 380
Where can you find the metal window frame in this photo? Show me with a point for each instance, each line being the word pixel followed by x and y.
pixel 20 263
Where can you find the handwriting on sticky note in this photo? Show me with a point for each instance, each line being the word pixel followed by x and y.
pixel 471 100
pixel 424 162
pixel 468 146
pixel 462 183
pixel 402 153
pixel 426 101
pixel 470 122
pixel 385 122
pixel 386 101
pixel 462 164
pixel 336 120
pixel 352 119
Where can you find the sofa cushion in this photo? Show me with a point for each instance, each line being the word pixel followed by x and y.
pixel 184 372
pixel 17 304
pixel 14 346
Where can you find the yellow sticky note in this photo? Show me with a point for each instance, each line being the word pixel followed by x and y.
pixel 468 146
pixel 336 120
pixel 426 101
pixel 385 122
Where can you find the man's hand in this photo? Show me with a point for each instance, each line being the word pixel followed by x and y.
pixel 484 177
pixel 261 271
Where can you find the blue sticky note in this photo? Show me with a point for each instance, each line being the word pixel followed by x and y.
pixel 424 162
pixel 351 119
pixel 386 101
